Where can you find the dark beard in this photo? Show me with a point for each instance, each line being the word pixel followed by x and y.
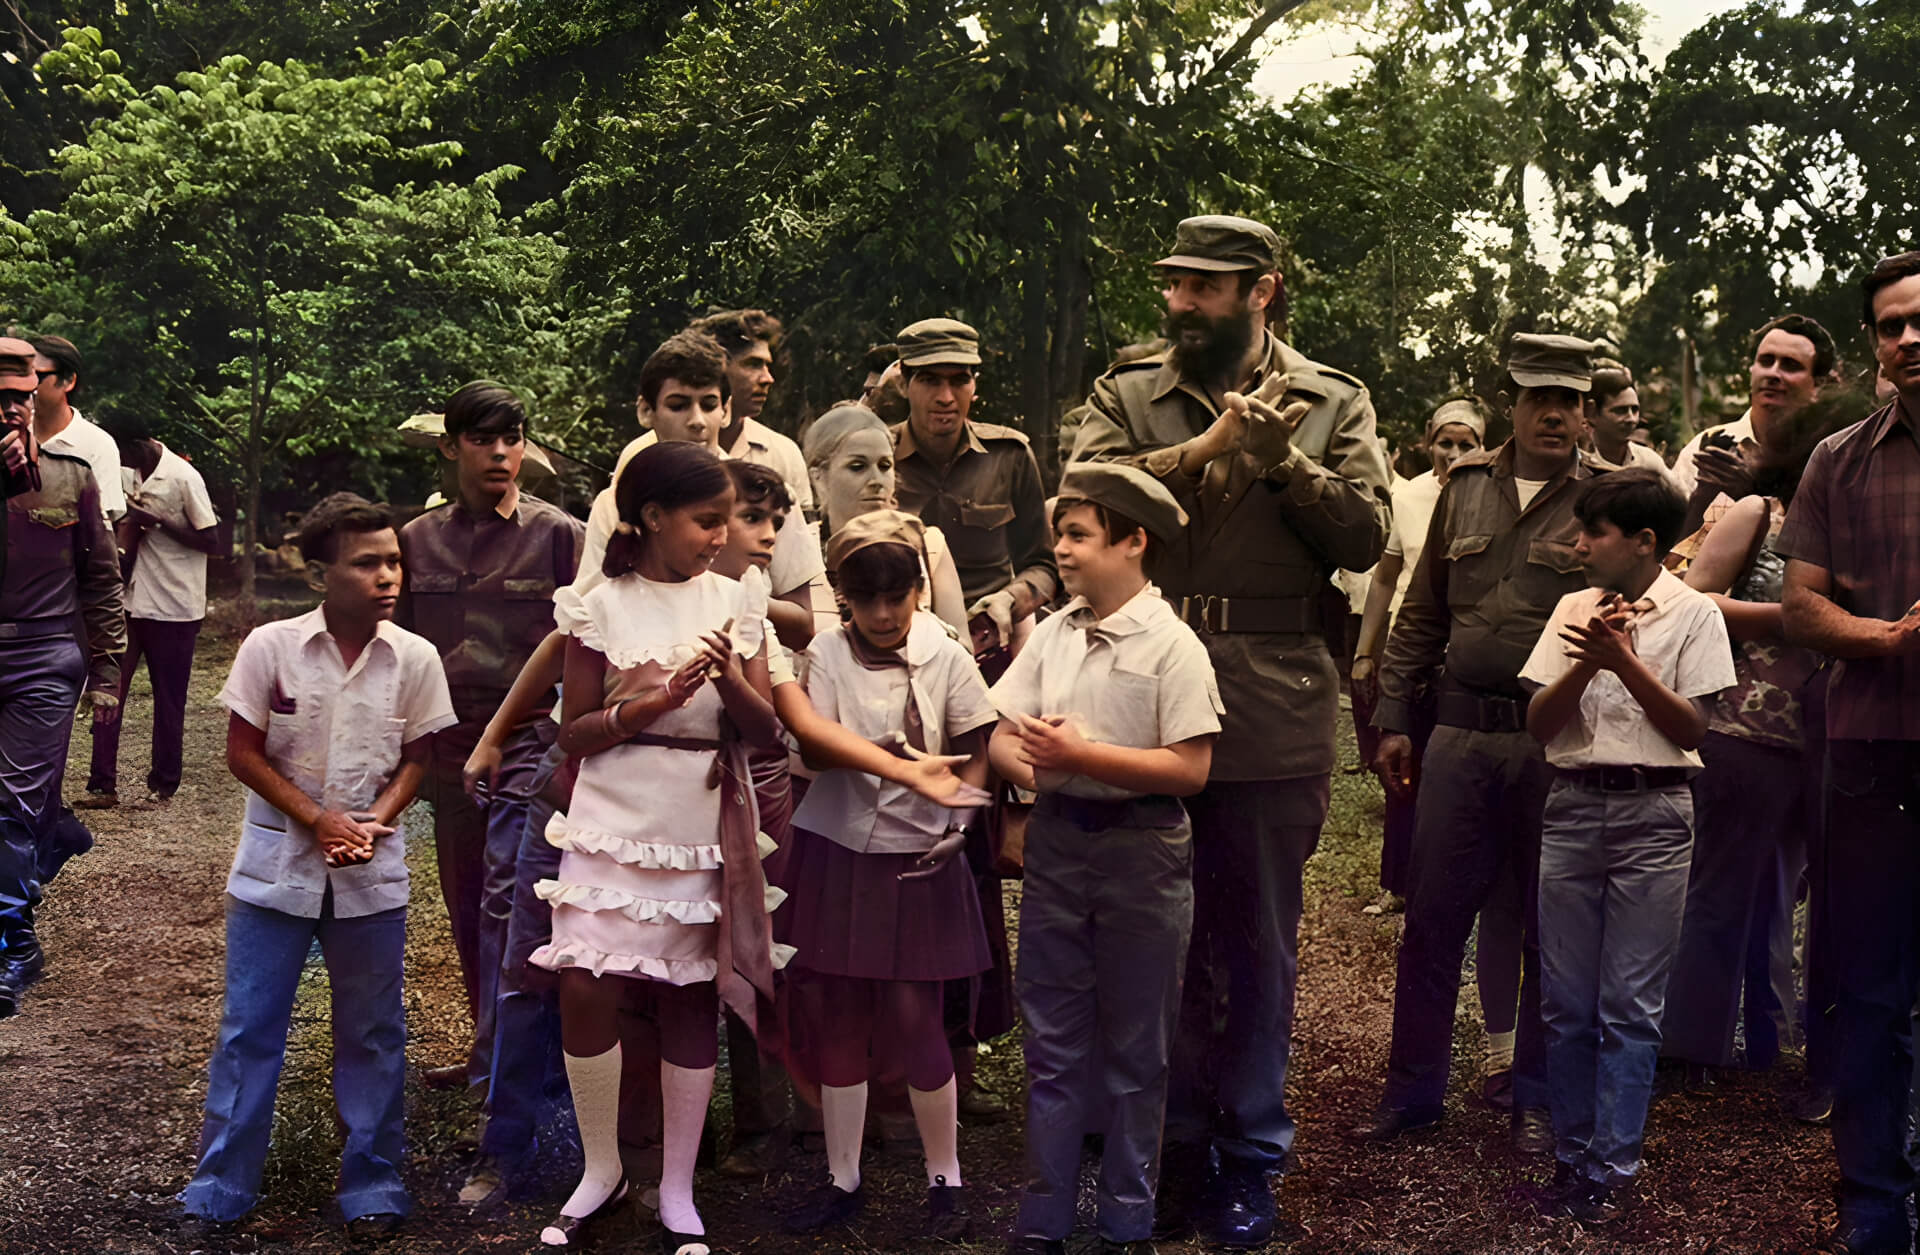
pixel 1222 346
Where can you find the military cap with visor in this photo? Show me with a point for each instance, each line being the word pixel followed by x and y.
pixel 1548 361
pixel 1129 492
pixel 1220 242
pixel 938 342
pixel 16 364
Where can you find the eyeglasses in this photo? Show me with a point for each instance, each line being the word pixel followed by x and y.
pixel 44 375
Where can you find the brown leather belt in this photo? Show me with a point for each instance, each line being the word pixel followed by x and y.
pixel 1207 613
pixel 1480 712
pixel 1626 779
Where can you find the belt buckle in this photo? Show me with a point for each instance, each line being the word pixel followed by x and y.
pixel 1497 714
pixel 1212 612
pixel 1618 779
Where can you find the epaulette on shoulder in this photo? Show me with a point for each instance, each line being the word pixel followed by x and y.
pixel 1340 375
pixel 993 431
pixel 1153 362
pixel 1479 459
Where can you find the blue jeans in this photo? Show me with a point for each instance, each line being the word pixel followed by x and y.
pixel 1613 894
pixel 40 681
pixel 526 1020
pixel 265 952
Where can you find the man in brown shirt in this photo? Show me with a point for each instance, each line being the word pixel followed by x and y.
pixel 480 576
pixel 1281 489
pixel 977 483
pixel 1852 540
pixel 1499 556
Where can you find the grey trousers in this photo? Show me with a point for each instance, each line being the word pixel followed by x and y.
pixel 1104 921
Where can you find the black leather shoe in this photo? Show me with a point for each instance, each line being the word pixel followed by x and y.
pixel 825 1204
pixel 28 965
pixel 378 1227
pixel 1595 1204
pixel 948 1219
pixel 1389 1123
pixel 1183 1181
pixel 571 1232
pixel 1240 1213
pixel 1532 1131
pixel 1036 1246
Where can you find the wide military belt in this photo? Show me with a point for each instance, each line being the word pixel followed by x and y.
pixel 1480 712
pixel 26 629
pixel 1626 779
pixel 1250 614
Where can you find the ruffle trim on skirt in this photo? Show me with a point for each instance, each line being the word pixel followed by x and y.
pixel 636 908
pixel 643 910
pixel 653 855
pixel 556 956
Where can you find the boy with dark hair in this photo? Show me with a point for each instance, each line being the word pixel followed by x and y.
pixel 1110 713
pixel 481 571
pixel 331 711
pixel 170 530
pixel 1624 674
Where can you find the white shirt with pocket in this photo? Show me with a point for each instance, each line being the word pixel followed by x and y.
pixel 169 581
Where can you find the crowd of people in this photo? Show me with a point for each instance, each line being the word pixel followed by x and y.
pixel 753 749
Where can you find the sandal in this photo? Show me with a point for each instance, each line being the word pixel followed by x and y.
pixel 572 1230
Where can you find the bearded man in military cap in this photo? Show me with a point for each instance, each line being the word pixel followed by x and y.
pixel 1274 458
pixel 1499 556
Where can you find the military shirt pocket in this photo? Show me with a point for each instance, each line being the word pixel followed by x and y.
pixel 436 607
pixel 981 538
pixel 1553 569
pixel 1470 573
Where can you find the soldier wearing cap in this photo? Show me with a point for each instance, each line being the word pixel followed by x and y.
pixel 1110 712
pixel 1282 488
pixel 1499 556
pixel 977 483
pixel 60 562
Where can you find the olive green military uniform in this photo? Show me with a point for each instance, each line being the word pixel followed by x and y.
pixel 989 503
pixel 1248 575
pixel 1489 578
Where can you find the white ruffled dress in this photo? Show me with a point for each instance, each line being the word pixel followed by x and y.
pixel 639 886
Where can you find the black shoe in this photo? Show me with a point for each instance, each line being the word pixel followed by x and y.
pixel 1532 1131
pixel 1389 1123
pixel 825 1204
pixel 1496 1090
pixel 486 1184
pixel 9 997
pixel 374 1228
pixel 24 965
pixel 1036 1246
pixel 948 1219
pixel 1595 1204
pixel 1813 1105
pixel 672 1243
pixel 1240 1214
pixel 980 1106
pixel 1551 1199
pixel 570 1232
pixel 1184 1171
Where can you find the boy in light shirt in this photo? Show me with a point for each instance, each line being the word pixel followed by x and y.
pixel 1110 713
pixel 1624 671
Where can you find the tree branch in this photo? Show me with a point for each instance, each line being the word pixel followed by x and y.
pixel 1239 48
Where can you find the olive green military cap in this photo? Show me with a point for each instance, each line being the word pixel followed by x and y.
pixel 1221 242
pixel 1127 491
pixel 1537 361
pixel 938 342
pixel 16 364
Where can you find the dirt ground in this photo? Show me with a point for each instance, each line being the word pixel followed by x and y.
pixel 102 1075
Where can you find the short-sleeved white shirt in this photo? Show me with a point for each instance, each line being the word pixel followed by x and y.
pixel 1683 641
pixel 84 440
pixel 335 732
pixel 169 581
pixel 1413 503
pixel 860 811
pixel 1138 678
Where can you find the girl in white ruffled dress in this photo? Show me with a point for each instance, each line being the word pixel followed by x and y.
pixel 659 878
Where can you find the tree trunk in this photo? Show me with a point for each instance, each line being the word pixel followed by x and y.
pixel 1036 386
pixel 1072 289
pixel 252 456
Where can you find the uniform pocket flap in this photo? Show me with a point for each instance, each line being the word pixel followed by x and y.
pixel 1463 546
pixel 987 516
pixel 528 589
pixel 1556 555
pixel 433 582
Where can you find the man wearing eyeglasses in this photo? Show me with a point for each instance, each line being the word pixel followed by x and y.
pixel 60 563
pixel 59 427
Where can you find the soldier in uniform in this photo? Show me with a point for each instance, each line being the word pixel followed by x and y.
pixel 979 484
pixel 60 562
pixel 1278 498
pixel 1499 556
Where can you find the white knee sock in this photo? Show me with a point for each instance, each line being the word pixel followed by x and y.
pixel 1500 1052
pixel 937 1113
pixel 843 1110
pixel 683 1100
pixel 595 1081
